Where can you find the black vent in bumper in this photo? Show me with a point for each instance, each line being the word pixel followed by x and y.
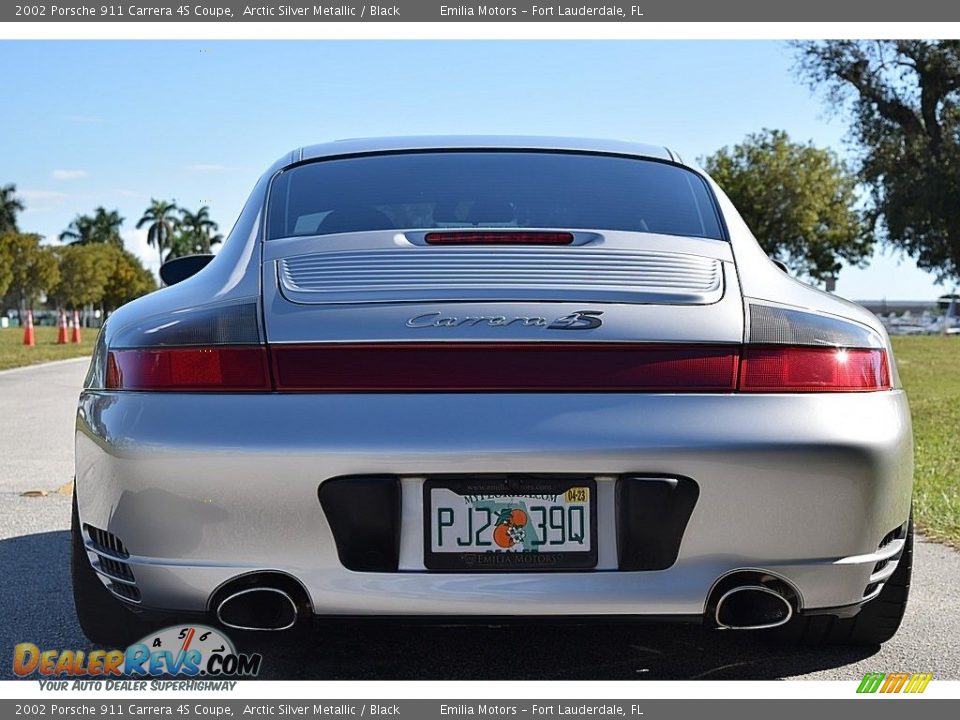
pixel 127 592
pixel 105 542
pixel 115 568
pixel 882 569
pixel 652 514
pixel 110 555
pixel 364 516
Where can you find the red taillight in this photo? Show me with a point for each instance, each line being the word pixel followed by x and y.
pixel 225 368
pixel 505 367
pixel 480 237
pixel 500 367
pixel 781 368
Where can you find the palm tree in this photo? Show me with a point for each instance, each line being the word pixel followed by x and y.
pixel 198 228
pixel 9 207
pixel 159 216
pixel 107 227
pixel 79 232
pixel 102 228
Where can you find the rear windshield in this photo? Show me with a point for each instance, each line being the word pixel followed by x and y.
pixel 429 190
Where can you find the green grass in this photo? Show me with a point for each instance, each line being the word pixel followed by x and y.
pixel 13 353
pixel 930 370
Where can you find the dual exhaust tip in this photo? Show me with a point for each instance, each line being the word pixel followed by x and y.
pixel 744 607
pixel 752 607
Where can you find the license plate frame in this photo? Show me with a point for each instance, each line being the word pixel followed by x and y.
pixel 499 562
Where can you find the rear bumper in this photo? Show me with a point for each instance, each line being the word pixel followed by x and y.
pixel 204 488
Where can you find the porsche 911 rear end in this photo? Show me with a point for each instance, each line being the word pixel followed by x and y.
pixel 493 377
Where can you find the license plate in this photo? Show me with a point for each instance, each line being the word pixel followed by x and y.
pixel 518 523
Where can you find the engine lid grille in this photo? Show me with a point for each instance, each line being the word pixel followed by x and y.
pixel 409 274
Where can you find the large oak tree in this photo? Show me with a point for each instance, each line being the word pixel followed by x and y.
pixel 905 121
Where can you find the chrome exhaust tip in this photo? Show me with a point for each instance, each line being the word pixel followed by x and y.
pixel 258 608
pixel 752 607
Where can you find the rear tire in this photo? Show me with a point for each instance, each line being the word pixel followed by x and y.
pixel 877 621
pixel 104 619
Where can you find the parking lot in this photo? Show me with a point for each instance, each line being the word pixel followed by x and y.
pixel 36 457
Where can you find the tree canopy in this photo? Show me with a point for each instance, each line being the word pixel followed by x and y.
pixel 905 97
pixel 33 267
pixel 799 201
pixel 92 269
pixel 197 233
pixel 176 231
pixel 100 274
pixel 127 280
pixel 103 227
pixel 84 273
pixel 161 224
pixel 6 265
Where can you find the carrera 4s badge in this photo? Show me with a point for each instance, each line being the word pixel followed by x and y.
pixel 579 320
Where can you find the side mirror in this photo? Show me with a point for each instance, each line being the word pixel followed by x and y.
pixel 181 268
pixel 779 263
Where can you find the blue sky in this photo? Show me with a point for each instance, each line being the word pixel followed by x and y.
pixel 115 123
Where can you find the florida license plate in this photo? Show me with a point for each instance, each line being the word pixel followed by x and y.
pixel 519 523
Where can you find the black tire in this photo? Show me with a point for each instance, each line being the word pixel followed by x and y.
pixel 104 619
pixel 877 621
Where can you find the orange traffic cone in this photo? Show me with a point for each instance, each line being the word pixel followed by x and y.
pixel 75 337
pixel 28 338
pixel 62 329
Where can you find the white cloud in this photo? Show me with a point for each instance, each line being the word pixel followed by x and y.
pixel 43 195
pixel 68 174
pixel 208 167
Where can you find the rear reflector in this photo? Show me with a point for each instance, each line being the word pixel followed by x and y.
pixel 505 367
pixel 202 326
pixel 498 238
pixel 774 325
pixel 226 368
pixel 778 368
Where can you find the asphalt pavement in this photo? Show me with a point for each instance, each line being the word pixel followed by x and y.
pixel 36 454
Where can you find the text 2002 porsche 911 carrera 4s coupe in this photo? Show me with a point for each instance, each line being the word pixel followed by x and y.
pixel 481 377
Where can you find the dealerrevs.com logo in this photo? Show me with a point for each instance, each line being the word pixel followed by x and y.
pixel 192 651
pixel 899 682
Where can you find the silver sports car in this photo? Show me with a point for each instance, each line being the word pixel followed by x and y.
pixel 492 377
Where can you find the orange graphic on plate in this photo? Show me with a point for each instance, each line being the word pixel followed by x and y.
pixel 509 530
